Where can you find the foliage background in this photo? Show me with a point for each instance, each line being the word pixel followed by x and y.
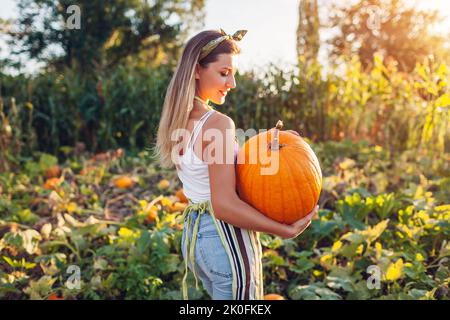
pixel 378 121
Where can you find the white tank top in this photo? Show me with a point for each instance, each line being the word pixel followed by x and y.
pixel 194 172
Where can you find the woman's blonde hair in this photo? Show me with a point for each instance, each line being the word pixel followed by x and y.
pixel 179 99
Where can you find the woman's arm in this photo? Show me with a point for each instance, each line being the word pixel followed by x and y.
pixel 226 203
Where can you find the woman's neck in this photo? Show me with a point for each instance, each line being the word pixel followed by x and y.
pixel 201 105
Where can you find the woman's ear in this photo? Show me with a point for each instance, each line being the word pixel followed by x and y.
pixel 197 71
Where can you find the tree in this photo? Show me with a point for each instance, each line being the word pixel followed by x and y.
pixel 311 84
pixel 390 27
pixel 100 33
pixel 308 39
pixel 85 42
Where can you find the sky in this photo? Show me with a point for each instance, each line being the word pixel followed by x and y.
pixel 271 35
pixel 271 25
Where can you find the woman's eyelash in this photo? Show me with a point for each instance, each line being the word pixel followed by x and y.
pixel 224 74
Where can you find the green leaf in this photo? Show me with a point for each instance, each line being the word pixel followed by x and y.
pixel 301 266
pixel 26 216
pixel 417 293
pixel 345 284
pixel 100 264
pixel 46 161
pixel 361 292
pixel 306 292
pixel 171 263
pixel 327 294
pixel 40 289
pixel 143 242
pixel 9 261
pixel 313 292
pixel 31 240
pixel 270 241
pixel 373 233
pixel 349 250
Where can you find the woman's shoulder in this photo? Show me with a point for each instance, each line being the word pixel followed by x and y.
pixel 220 121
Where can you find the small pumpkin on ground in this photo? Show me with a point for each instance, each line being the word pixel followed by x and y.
pixel 178 206
pixel 51 184
pixel 53 172
pixel 85 171
pixel 123 182
pixel 273 296
pixel 152 214
pixel 163 184
pixel 181 196
pixel 54 296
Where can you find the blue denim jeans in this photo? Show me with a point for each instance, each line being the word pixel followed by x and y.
pixel 212 265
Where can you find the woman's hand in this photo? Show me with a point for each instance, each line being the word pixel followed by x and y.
pixel 295 229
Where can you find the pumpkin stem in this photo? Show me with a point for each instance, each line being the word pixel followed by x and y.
pixel 275 145
pixel 279 125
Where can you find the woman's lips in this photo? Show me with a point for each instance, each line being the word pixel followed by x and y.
pixel 222 93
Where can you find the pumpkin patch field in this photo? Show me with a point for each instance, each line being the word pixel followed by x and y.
pixel 108 226
pixel 354 103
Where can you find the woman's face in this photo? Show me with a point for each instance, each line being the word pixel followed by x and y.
pixel 214 81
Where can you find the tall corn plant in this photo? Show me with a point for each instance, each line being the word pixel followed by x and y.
pixel 16 133
pixel 122 106
pixel 133 99
pixel 61 102
pixel 259 101
pixel 311 111
pixel 431 85
pixel 366 104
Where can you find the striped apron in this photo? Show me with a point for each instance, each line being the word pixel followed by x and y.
pixel 243 248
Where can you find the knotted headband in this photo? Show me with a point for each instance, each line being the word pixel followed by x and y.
pixel 210 46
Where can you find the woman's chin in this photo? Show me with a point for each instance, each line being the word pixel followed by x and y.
pixel 219 101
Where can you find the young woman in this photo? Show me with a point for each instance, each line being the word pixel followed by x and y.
pixel 220 242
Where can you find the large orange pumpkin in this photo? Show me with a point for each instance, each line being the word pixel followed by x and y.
pixel 279 175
